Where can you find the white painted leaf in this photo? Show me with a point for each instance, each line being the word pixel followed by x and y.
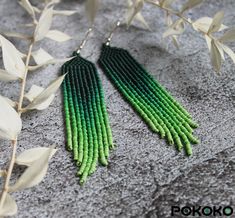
pixel 139 17
pixel 174 38
pixel 41 56
pixel 190 4
pixel 36 91
pixel 11 58
pixel 9 207
pixel 134 9
pixel 15 35
pixel 22 55
pixel 10 102
pixel 5 76
pixel 204 24
pixel 58 36
pixel 45 95
pixel 175 42
pixel 229 52
pixel 10 122
pixel 170 32
pixel 219 46
pixel 168 20
pixel 53 61
pixel 215 56
pixel 35 173
pixel 33 92
pixel 216 22
pixel 229 36
pixel 64 12
pixel 28 7
pixel 208 41
pixel 44 24
pixel 37 10
pixel 31 155
pixel 46 103
pixel 91 9
pixel 51 2
pixel 176 28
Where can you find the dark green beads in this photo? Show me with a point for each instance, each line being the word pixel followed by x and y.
pixel 88 132
pixel 161 112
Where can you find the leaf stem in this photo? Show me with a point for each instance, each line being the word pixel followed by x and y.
pixel 178 14
pixel 9 171
pixel 14 142
pixel 24 78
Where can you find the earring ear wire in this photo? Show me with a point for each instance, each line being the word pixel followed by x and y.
pixel 84 40
pixel 112 32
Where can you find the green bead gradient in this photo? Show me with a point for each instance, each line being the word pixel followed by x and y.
pixel 161 112
pixel 88 131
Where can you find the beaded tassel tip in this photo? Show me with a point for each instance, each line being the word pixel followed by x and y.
pixel 88 132
pixel 160 111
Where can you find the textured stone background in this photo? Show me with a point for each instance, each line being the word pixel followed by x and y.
pixel 145 176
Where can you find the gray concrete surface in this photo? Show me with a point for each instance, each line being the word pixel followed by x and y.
pixel 145 176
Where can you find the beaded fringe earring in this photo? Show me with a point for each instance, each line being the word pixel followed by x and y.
pixel 160 111
pixel 88 131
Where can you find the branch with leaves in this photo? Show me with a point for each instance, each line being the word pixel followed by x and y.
pixel 17 66
pixel 207 26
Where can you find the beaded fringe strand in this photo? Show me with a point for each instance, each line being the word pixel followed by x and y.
pixel 88 132
pixel 161 112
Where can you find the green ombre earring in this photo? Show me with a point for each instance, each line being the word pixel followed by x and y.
pixel 88 131
pixel 160 111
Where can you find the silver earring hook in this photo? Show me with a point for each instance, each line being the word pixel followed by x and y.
pixel 84 40
pixel 112 32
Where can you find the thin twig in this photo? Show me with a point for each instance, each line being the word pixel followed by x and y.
pixel 14 142
pixel 25 77
pixel 178 14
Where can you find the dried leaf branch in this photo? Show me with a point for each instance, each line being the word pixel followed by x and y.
pixel 207 26
pixel 10 118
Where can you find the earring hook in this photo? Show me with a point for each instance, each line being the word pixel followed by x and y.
pixel 84 40
pixel 112 32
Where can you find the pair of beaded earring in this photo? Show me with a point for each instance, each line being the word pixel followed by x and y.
pixel 89 135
